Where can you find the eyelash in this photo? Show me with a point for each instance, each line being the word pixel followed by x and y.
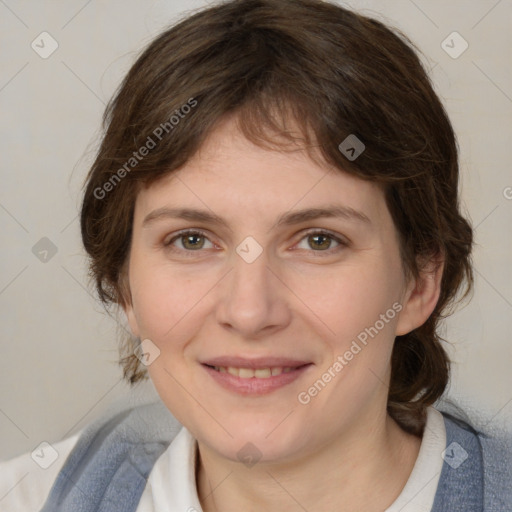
pixel 190 253
pixel 168 245
pixel 342 243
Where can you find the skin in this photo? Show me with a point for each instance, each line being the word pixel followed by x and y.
pixel 297 299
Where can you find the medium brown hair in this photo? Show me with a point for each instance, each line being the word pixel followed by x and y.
pixel 275 64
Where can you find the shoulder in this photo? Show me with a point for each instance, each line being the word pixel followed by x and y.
pixel 477 469
pixel 113 458
pixel 26 480
pixel 137 433
pixel 497 464
pixel 146 423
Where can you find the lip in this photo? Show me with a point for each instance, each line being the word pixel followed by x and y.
pixel 255 386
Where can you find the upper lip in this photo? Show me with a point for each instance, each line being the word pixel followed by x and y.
pixel 255 363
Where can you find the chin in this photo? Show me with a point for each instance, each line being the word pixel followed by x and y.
pixel 262 440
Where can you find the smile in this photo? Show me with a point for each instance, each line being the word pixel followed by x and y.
pixel 249 373
pixel 254 377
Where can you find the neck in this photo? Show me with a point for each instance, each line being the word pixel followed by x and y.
pixel 363 469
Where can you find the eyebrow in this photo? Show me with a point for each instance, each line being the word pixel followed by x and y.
pixel 183 213
pixel 335 211
pixel 287 219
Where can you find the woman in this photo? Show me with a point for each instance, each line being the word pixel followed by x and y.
pixel 275 208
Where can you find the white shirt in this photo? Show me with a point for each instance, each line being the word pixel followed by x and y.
pixel 171 486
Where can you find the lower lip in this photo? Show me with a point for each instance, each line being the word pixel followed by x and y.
pixel 254 385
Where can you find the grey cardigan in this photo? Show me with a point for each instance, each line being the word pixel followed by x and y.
pixel 108 468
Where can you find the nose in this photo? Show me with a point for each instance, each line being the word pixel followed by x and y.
pixel 252 299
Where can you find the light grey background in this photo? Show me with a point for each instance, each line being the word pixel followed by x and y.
pixel 58 365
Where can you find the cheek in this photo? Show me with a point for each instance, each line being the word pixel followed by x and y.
pixel 352 298
pixel 360 306
pixel 170 311
pixel 165 301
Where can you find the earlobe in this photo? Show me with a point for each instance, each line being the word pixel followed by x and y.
pixel 126 299
pixel 421 297
pixel 132 320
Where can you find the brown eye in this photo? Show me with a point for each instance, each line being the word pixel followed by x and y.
pixel 188 241
pixel 322 242
pixel 192 241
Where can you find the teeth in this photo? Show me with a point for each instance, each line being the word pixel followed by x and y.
pixel 263 373
pixel 244 373
pixel 233 371
pixel 249 373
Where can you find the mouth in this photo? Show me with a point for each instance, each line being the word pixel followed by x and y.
pixel 254 376
pixel 250 373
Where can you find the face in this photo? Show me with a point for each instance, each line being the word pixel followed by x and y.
pixel 273 289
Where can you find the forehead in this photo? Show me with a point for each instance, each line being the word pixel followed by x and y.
pixel 233 175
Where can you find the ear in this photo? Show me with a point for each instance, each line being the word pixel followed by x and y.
pixel 126 301
pixel 132 319
pixel 421 296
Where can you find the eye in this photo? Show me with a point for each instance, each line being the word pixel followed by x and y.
pixel 189 241
pixel 321 241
